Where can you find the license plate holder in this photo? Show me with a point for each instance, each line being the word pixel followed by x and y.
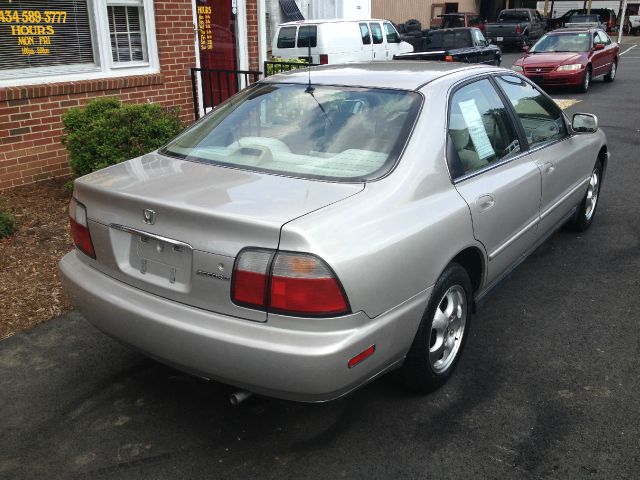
pixel 499 39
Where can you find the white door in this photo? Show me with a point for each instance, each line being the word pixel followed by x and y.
pixel 379 48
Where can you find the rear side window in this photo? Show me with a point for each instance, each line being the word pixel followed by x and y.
pixel 480 128
pixel 287 37
pixel 376 32
pixel 604 38
pixel 366 36
pixel 308 36
pixel 392 35
pixel 541 118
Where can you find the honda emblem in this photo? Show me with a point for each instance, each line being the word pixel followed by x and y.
pixel 149 216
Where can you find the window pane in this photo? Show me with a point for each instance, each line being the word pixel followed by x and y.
pixel 126 31
pixel 541 118
pixel 392 35
pixel 376 32
pixel 287 37
pixel 34 33
pixel 307 34
pixel 364 31
pixel 479 127
pixel 336 133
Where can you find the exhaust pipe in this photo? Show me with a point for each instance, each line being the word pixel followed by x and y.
pixel 238 397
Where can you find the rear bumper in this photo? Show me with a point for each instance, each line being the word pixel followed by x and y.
pixel 557 79
pixel 294 359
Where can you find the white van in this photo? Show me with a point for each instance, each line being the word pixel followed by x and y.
pixel 339 41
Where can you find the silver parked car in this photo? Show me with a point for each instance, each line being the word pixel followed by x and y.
pixel 322 228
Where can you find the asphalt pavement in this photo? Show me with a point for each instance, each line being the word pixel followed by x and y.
pixel 548 387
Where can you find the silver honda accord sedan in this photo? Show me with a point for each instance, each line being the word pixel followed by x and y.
pixel 324 227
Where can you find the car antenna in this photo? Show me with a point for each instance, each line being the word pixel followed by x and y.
pixel 309 58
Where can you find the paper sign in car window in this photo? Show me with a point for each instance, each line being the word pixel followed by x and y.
pixel 476 128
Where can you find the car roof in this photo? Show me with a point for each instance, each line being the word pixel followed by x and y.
pixel 574 30
pixel 330 20
pixel 396 74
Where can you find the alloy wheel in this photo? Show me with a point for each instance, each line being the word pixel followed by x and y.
pixel 592 195
pixel 447 329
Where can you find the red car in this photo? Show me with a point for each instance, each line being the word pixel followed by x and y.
pixel 570 58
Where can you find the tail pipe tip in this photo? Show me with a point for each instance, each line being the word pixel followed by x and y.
pixel 238 397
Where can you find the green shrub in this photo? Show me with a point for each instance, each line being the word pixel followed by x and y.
pixel 274 69
pixel 108 131
pixel 6 220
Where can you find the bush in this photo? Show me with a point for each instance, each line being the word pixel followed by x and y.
pixel 274 69
pixel 108 131
pixel 6 221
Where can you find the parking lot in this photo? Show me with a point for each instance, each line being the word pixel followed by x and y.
pixel 548 386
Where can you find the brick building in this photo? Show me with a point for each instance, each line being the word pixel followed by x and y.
pixel 136 50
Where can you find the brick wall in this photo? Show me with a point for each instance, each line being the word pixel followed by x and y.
pixel 30 116
pixel 252 35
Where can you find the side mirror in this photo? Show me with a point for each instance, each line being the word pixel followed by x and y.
pixel 489 41
pixel 598 46
pixel 584 123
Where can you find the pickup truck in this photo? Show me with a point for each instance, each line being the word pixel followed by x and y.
pixel 466 45
pixel 584 21
pixel 517 27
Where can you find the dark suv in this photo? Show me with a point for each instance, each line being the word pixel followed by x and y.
pixel 607 17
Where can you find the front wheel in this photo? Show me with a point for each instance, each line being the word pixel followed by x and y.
pixel 583 218
pixel 438 344
pixel 611 76
pixel 586 81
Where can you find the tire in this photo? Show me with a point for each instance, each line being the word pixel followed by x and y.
pixel 583 218
pixel 611 76
pixel 586 81
pixel 444 326
pixel 412 25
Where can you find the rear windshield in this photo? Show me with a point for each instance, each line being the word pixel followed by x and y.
pixel 333 133
pixel 564 42
pixel 513 16
pixel 585 19
pixel 448 39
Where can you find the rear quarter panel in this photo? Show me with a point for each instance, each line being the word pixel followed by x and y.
pixel 393 240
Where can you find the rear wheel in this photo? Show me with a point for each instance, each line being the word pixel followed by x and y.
pixel 611 76
pixel 438 344
pixel 586 80
pixel 587 208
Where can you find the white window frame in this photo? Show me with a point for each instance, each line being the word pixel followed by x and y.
pixel 103 66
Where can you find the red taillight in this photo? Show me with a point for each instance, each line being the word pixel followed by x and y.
pixel 324 59
pixel 80 228
pixel 289 283
pixel 518 29
pixel 448 58
pixel 250 278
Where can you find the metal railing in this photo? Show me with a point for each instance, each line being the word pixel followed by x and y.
pixel 273 68
pixel 218 85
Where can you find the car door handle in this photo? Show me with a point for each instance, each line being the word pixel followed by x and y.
pixel 485 202
pixel 549 168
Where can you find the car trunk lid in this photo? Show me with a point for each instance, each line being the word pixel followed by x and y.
pixel 173 227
